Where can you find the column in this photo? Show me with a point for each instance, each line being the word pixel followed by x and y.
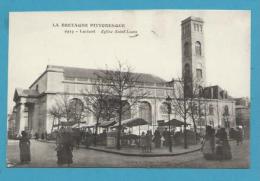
pixel 35 119
pixel 154 114
pixel 22 121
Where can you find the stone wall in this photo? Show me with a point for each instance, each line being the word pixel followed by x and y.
pixel 41 83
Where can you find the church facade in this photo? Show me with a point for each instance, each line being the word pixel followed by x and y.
pixel 32 104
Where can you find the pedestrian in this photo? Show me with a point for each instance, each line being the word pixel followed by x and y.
pixel 232 134
pixel 148 139
pixel 59 146
pixel 223 150
pixel 24 145
pixel 36 135
pixel 162 141
pixel 65 147
pixel 45 135
pixel 87 139
pixel 157 138
pixel 165 137
pixel 143 142
pixel 208 144
pixel 76 137
pixel 42 136
pixel 239 136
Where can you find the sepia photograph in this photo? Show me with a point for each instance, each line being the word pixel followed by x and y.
pixel 129 88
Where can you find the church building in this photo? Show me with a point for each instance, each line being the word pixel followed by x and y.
pixel 32 104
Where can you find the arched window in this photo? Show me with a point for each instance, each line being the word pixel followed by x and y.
pixel 145 111
pixel 186 49
pixel 200 28
pixel 164 108
pixel 126 110
pixel 187 80
pixel 195 27
pixel 76 107
pixel 199 74
pixel 198 48
pixel 226 111
pixel 187 71
pixel 211 109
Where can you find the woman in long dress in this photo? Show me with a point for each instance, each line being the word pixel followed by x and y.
pixel 149 139
pixel 64 147
pixel 24 145
pixel 157 139
pixel 223 152
pixel 208 146
pixel 143 142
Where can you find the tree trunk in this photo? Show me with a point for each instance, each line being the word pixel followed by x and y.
pixel 95 134
pixel 52 125
pixel 185 135
pixel 185 124
pixel 58 123
pixel 195 130
pixel 118 146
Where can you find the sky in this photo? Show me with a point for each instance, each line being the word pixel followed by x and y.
pixel 36 41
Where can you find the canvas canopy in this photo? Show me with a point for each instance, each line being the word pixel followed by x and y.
pixel 132 122
pixel 173 122
pixel 83 125
pixel 106 124
pixel 69 123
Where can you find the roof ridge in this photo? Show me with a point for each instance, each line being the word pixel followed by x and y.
pixel 70 73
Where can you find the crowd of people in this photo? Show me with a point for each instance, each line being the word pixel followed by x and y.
pixel 146 141
pixel 215 146
pixel 157 139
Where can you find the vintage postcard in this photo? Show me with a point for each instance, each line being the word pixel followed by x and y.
pixel 129 88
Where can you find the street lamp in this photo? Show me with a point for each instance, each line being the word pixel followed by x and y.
pixel 168 100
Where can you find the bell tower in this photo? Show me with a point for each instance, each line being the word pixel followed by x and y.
pixel 193 61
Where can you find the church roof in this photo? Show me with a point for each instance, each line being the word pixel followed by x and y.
pixel 192 18
pixel 25 93
pixel 74 72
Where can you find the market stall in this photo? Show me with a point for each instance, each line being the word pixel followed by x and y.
pixel 128 139
pixel 177 136
pixel 107 124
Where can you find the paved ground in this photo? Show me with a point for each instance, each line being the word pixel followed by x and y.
pixel 44 155
pixel 155 152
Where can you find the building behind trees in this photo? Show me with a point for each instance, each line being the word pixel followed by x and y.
pixel 218 110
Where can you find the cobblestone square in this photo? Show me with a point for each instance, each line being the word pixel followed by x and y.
pixel 44 155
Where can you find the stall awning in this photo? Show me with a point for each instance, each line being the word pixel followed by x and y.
pixel 132 122
pixel 69 123
pixel 106 124
pixel 83 125
pixel 173 122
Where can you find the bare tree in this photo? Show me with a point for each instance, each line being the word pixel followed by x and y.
pixel 64 103
pixel 181 104
pixel 123 88
pixel 66 108
pixel 187 102
pixel 56 113
pixel 97 101
pixel 196 104
pixel 76 110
